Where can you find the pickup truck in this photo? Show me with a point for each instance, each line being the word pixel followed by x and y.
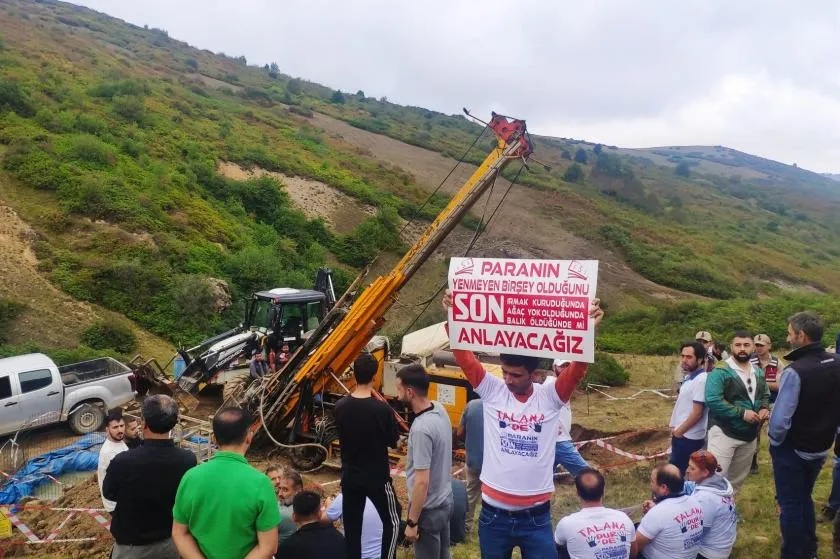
pixel 34 391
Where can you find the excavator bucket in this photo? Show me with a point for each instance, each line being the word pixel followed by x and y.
pixel 151 379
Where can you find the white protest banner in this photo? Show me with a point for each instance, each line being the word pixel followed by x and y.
pixel 526 307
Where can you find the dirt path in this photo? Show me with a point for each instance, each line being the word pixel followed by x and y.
pixel 528 225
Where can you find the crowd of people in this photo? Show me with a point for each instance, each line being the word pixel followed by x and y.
pixel 517 433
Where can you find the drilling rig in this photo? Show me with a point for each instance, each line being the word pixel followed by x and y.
pixel 293 407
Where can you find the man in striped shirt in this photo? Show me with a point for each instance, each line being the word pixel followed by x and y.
pixel 521 420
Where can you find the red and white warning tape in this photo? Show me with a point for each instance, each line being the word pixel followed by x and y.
pixel 636 457
pixel 52 537
pixel 24 529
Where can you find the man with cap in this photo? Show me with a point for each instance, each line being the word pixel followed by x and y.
pixel 769 364
pixel 705 338
pixel 565 452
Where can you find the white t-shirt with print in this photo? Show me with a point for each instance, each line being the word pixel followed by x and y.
pixel 564 433
pixel 106 454
pixel 595 533
pixel 519 437
pixel 675 528
pixel 692 390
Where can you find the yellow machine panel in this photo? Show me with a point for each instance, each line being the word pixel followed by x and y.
pixel 450 387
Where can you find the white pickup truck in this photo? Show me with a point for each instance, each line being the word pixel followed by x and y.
pixel 34 391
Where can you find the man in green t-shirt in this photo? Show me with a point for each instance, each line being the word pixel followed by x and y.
pixel 224 508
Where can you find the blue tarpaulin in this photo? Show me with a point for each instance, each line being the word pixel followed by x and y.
pixel 81 456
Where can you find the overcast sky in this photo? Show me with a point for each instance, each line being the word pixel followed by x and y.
pixel 761 76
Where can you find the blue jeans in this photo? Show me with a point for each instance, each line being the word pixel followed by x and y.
pixel 681 449
pixel 499 531
pixel 834 498
pixel 567 455
pixel 795 479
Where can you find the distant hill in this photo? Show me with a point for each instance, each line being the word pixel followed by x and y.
pixel 151 172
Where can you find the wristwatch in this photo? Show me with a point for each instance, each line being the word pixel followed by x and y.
pixel 411 523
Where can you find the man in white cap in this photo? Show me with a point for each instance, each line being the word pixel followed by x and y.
pixel 705 338
pixel 565 452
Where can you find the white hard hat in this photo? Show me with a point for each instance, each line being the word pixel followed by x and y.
pixel 561 362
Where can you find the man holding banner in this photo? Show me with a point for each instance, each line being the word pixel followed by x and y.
pixel 525 310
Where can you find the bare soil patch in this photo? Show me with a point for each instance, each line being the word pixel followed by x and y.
pixel 213 83
pixel 317 200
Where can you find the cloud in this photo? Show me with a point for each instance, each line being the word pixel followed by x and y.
pixel 759 76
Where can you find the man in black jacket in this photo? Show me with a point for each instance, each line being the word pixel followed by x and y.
pixel 143 482
pixel 802 429
pixel 314 539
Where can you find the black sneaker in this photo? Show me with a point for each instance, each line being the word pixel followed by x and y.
pixel 828 513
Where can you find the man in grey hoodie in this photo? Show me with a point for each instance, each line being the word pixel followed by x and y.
pixel 716 497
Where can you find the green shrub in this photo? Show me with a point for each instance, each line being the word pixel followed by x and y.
pixel 56 122
pixel 61 355
pixel 37 168
pixel 606 371
pixel 109 90
pixel 85 148
pixel 580 156
pixel 110 335
pixel 91 124
pixel 9 311
pixel 372 235
pixel 15 98
pixel 574 173
pixel 130 108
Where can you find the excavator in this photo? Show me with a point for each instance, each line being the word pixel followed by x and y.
pixel 293 406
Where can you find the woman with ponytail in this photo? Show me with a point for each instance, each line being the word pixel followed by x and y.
pixel 716 496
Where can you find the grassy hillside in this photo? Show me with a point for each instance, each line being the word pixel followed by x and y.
pixel 111 137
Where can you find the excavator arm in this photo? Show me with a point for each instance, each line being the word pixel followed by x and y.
pixel 344 333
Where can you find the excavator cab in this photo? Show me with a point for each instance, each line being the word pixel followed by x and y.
pixel 285 315
pixel 274 317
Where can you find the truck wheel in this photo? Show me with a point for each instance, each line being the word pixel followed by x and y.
pixel 234 389
pixel 86 419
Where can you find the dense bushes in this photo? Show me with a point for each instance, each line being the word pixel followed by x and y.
pixel 110 335
pixel 574 173
pixel 676 267
pixel 61 356
pixel 15 98
pixel 368 238
pixel 659 331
